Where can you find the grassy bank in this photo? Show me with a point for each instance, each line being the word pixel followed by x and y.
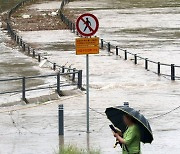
pixel 70 149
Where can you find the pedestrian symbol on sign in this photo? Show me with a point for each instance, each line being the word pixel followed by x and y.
pixel 88 24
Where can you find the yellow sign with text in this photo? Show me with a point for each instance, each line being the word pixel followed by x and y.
pixel 87 46
pixel 87 50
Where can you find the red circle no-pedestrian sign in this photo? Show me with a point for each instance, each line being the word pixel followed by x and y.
pixel 87 24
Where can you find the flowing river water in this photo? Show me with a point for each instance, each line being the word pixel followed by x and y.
pixel 147 27
pixel 13 63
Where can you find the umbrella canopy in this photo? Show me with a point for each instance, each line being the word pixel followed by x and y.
pixel 115 115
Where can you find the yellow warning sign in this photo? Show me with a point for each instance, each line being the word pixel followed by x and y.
pixel 87 50
pixel 87 46
pixel 87 41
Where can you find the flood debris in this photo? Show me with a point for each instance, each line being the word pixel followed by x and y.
pixel 35 18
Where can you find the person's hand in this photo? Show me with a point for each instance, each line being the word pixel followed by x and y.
pixel 119 132
pixel 115 134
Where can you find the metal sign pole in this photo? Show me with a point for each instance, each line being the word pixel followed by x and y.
pixel 87 90
pixel 87 46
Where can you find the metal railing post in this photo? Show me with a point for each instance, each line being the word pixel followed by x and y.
pixel 125 55
pixel 21 42
pixel 58 84
pixel 80 79
pixel 135 59
pixel 24 89
pixel 102 45
pixel 172 72
pixel 146 63
pixel 14 37
pixel 33 55
pixel 54 66
pixel 159 68
pixel 28 50
pixel 74 28
pixel 39 58
pixel 116 50
pixel 24 46
pixel 61 119
pixel 74 74
pixel 62 69
pixel 109 47
pixel 71 27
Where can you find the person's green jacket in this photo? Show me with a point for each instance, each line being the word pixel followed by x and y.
pixel 132 140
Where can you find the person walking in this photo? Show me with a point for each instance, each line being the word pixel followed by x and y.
pixel 133 128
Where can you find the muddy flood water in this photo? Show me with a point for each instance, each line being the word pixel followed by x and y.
pixel 147 27
pixel 15 64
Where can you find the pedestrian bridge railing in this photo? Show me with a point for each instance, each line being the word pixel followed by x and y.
pixel 165 70
pixel 56 83
pixel 135 57
pixel 28 50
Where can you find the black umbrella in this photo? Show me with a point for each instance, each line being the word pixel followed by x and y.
pixel 115 115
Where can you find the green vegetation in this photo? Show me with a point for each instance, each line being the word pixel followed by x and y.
pixel 70 149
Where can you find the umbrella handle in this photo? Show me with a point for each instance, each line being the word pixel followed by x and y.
pixel 115 145
pixel 117 142
pixel 114 130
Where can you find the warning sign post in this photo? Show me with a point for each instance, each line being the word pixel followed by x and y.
pixel 87 25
